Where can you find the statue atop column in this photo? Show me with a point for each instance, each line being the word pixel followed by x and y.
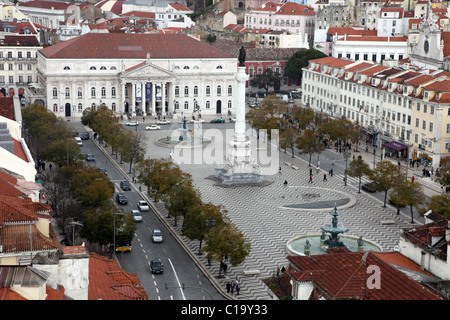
pixel 242 55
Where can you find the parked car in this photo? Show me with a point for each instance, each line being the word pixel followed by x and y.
pixel 125 185
pixel 132 123
pixel 79 142
pixel 157 236
pixel 102 170
pixel 84 136
pixel 143 205
pixel 163 121
pixel 136 216
pixel 291 100
pixel 156 266
pixel 218 120
pixel 153 127
pixel 121 198
pixel 90 158
pixel 368 187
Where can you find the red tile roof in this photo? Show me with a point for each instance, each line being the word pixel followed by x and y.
pixel 296 9
pixel 182 7
pixel 108 282
pixel 132 46
pixel 58 5
pixel 440 86
pixel 351 31
pixel 345 276
pixel 7 107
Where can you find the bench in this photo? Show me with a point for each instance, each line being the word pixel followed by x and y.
pixel 287 163
pixel 387 222
pixel 295 167
pixel 253 272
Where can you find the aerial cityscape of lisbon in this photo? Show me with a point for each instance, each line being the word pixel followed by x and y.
pixel 227 157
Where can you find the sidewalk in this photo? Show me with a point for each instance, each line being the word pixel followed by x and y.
pixel 430 187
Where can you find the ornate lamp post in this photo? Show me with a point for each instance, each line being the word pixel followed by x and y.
pixel 346 156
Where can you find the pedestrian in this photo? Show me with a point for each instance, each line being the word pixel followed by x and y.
pixel 278 271
pixel 310 179
pixel 412 179
pixel 228 285
pixel 310 172
pixel 282 269
pixel 285 183
pixel 324 177
pixel 331 172
pixel 279 171
pixel 225 267
pixel 317 169
pixel 238 288
pixel 233 284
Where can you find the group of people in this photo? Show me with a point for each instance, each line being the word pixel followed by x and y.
pixel 233 285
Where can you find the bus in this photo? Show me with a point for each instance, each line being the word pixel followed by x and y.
pixel 123 245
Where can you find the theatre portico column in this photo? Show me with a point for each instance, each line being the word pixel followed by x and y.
pixel 144 97
pixel 153 99
pixel 133 99
pixel 163 99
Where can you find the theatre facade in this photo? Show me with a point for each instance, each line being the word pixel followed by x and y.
pixel 137 75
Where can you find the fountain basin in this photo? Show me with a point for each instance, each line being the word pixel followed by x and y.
pixel 296 245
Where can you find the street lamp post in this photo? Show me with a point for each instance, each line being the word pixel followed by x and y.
pixel 346 156
pixel 209 224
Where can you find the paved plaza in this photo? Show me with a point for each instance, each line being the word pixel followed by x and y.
pixel 270 216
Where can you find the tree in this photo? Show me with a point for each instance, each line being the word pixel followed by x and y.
pixel 384 177
pixel 358 168
pixel 299 60
pixel 266 80
pixel 440 204
pixel 181 199
pixel 407 193
pixel 308 143
pixel 443 176
pixel 267 115
pixel 225 240
pixel 201 219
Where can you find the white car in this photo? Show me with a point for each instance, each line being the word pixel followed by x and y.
pixel 198 121
pixel 298 90
pixel 157 236
pixel 79 142
pixel 153 127
pixel 143 206
pixel 136 215
pixel 132 123
pixel 164 121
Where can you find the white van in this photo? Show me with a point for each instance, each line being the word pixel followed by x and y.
pixel 79 142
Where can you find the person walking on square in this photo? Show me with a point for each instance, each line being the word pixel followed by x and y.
pixel 238 288
pixel 228 286
pixel 310 179
pixel 331 172
pixel 324 177
pixel 233 284
pixel 285 183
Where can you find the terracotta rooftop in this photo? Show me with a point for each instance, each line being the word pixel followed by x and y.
pixel 440 86
pixel 344 276
pixel 132 46
pixel 58 5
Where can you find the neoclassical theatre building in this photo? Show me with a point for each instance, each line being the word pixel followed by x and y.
pixel 137 74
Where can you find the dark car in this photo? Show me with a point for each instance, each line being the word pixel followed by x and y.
pixel 121 198
pixel 84 135
pixel 125 185
pixel 156 266
pixel 218 120
pixel 90 158
pixel 103 170
pixel 368 187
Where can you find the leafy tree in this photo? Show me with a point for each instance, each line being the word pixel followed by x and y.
pixel 267 115
pixel 358 168
pixel 195 225
pixel 308 143
pixel 339 130
pixel 303 117
pixel 443 176
pixel 225 240
pixel 440 204
pixel 299 60
pixel 181 199
pixel 384 177
pixel 267 79
pixel 408 193
pixel 92 187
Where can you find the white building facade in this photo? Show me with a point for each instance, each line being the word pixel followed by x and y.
pixel 137 74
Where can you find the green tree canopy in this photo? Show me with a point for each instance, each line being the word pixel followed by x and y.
pixel 299 60
pixel 267 79
pixel 358 168
pixel 308 143
pixel 408 193
pixel 385 177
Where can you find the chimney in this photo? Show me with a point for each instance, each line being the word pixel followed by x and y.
pixel 422 260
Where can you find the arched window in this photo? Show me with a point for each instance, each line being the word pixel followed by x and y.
pixel 230 90
pixel 186 67
pixel 93 92
pixel 219 67
pixel 55 107
pixel 66 68
pixel 208 91
pixel 208 105
pixel 177 91
pixel 80 108
pixel 67 93
pixel 113 106
pixel 219 91
pixel 186 105
pixel 195 91
pixel 177 105
pixel 80 92
pixel 103 92
pixel 92 68
pixel 102 68
pixel 113 92
pixel 230 105
pixel 186 91
pixel 55 92
pixel 113 68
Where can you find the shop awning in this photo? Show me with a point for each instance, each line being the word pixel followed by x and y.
pixel 397 146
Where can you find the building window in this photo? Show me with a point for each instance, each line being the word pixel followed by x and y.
pixel 230 105
pixel 177 91
pixel 103 92
pixel 55 107
pixel 113 106
pixel 208 105
pixel 93 92
pixel 186 91
pixel 195 91
pixel 219 91
pixel 431 127
pixel 186 105
pixel 113 92
pixel 67 93
pixel 80 92
pixel 230 90
pixel 208 91
pixel 80 108
pixel 55 92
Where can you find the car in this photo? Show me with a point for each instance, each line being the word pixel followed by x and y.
pixel 132 123
pixel 84 135
pixel 291 100
pixel 156 266
pixel 153 127
pixel 157 236
pixel 79 142
pixel 121 198
pixel 125 185
pixel 90 158
pixel 297 90
pixel 143 205
pixel 218 120
pixel 102 170
pixel 197 121
pixel 368 187
pixel 136 216
pixel 163 121
pixel 232 119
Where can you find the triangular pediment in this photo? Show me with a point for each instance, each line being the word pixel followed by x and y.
pixel 145 71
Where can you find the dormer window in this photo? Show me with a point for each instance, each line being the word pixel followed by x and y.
pixel 66 68
pixel 92 68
